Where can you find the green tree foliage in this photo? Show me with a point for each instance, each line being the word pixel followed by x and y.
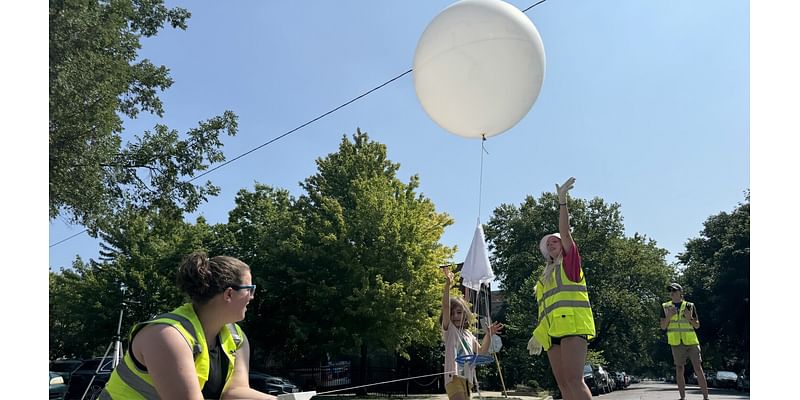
pixel 372 246
pixel 625 276
pixel 82 311
pixel 141 252
pixel 95 81
pixel 266 231
pixel 716 277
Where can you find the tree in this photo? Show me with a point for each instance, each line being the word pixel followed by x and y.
pixel 372 251
pixel 625 277
pixel 141 251
pixel 265 230
pixel 95 80
pixel 717 278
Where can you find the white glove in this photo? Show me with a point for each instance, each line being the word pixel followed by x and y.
pixel 534 347
pixel 564 189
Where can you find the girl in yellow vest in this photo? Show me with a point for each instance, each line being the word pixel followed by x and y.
pixel 679 320
pixel 196 351
pixel 565 322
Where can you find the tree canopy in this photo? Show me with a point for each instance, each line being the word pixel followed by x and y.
pixel 716 278
pixel 96 81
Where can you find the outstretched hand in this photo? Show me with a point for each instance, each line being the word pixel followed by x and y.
pixel 564 189
pixel 534 347
pixel 448 275
pixel 495 328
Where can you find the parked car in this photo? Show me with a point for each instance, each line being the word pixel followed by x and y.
pixel 743 383
pixel 622 380
pixel 710 377
pixel 57 387
pixel 65 368
pixel 83 375
pixel 596 379
pixel 271 384
pixel 725 379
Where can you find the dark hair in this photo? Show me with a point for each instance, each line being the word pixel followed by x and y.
pixel 202 278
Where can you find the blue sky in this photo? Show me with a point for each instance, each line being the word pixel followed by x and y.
pixel 646 103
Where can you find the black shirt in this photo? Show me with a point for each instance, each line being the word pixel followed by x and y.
pixel 218 368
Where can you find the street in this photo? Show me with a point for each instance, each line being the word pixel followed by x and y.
pixel 650 390
pixel 647 390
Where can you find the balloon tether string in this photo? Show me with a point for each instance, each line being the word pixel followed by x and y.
pixel 480 181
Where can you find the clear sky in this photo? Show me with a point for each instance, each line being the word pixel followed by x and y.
pixel 646 103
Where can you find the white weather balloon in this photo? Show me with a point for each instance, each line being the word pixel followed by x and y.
pixel 478 67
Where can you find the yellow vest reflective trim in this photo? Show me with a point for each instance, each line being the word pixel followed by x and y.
pixel 564 303
pixel 570 300
pixel 129 382
pixel 564 289
pixel 679 330
pixel 187 326
pixel 136 382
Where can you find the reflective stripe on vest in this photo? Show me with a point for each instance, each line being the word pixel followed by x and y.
pixel 129 382
pixel 679 330
pixel 570 300
pixel 136 382
pixel 187 325
pixel 579 287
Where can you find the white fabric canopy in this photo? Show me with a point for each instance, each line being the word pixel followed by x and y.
pixel 477 270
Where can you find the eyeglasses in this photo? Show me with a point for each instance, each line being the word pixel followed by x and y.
pixel 250 288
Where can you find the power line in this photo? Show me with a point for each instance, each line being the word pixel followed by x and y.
pixel 291 131
pixel 302 126
pixel 64 240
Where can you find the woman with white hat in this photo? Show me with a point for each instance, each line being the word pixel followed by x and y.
pixel 564 313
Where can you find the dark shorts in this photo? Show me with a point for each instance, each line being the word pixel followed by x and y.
pixel 557 340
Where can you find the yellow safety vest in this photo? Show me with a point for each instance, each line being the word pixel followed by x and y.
pixel 679 330
pixel 564 308
pixel 127 381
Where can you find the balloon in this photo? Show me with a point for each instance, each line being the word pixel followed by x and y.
pixel 478 67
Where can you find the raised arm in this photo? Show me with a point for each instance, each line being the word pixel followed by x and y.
pixel 448 283
pixel 493 329
pixel 563 214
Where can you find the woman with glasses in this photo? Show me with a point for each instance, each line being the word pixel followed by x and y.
pixel 196 351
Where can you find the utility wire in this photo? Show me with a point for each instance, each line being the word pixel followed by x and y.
pixel 64 240
pixel 291 131
pixel 302 126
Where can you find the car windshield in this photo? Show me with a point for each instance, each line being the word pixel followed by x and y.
pixel 726 375
pixel 587 368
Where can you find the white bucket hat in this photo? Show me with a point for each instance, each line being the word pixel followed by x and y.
pixel 543 243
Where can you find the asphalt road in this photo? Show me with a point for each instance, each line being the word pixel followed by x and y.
pixel 669 391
